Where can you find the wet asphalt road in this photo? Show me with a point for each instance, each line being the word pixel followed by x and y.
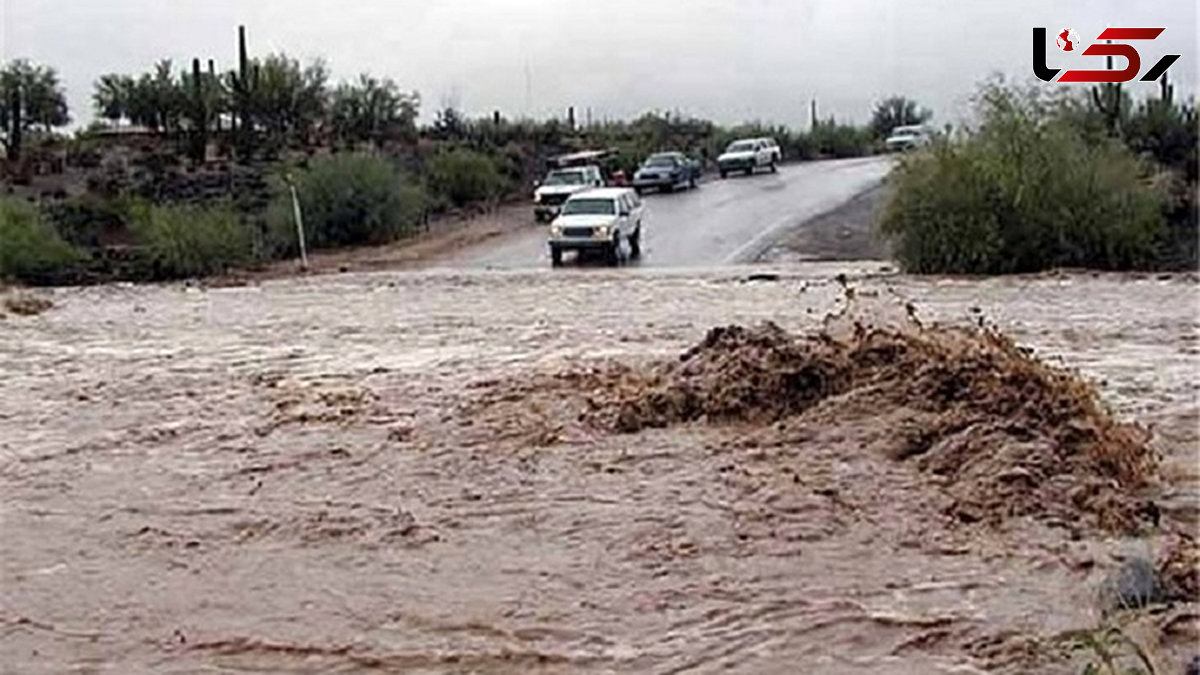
pixel 720 222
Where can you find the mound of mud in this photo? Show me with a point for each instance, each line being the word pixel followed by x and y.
pixel 23 304
pixel 1005 432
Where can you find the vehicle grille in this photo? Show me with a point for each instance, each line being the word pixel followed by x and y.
pixel 577 231
pixel 649 176
pixel 554 200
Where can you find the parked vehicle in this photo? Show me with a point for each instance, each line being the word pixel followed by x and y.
pixel 561 184
pixel 746 155
pixel 598 220
pixel 908 137
pixel 665 171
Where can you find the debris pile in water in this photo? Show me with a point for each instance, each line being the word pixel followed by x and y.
pixel 25 304
pixel 1007 433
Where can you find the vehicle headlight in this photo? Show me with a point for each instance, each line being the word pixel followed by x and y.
pixel 601 231
pixel 556 230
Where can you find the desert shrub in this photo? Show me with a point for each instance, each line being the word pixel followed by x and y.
pixel 86 221
pixel 187 241
pixel 346 199
pixel 30 249
pixel 460 177
pixel 831 139
pixel 1024 192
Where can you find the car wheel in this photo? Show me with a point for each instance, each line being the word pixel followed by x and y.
pixel 555 256
pixel 670 187
pixel 537 216
pixel 774 169
pixel 692 183
pixel 750 171
pixel 724 175
pixel 635 243
pixel 613 253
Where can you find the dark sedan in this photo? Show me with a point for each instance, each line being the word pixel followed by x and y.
pixel 666 171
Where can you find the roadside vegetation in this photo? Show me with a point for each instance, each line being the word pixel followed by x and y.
pixel 189 169
pixel 1046 181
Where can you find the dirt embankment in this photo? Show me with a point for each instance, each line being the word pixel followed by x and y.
pixel 846 233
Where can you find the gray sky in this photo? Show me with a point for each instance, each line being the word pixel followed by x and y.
pixel 729 60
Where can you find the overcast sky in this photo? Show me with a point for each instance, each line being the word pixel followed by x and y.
pixel 729 60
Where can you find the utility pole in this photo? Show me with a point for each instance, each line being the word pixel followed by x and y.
pixel 528 90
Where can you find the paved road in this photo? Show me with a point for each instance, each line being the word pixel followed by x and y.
pixel 721 222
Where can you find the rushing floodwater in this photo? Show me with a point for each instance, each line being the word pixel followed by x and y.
pixel 289 478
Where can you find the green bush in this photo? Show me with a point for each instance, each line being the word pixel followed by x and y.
pixel 346 199
pixel 188 241
pixel 30 249
pixel 1025 192
pixel 831 139
pixel 460 177
pixel 85 221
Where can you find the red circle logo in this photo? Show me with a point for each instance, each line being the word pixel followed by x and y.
pixel 1067 40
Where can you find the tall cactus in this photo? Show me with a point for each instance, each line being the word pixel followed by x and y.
pixel 1166 89
pixel 243 87
pixel 199 114
pixel 1109 99
pixel 14 136
pixel 215 115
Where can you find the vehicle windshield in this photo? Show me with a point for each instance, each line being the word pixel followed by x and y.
pixel 589 207
pixel 906 131
pixel 741 146
pixel 661 160
pixel 565 178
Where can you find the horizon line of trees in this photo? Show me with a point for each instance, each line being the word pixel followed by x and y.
pixel 274 102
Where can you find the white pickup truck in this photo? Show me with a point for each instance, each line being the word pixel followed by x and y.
pixel 559 185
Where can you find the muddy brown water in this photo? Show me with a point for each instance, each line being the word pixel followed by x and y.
pixel 299 477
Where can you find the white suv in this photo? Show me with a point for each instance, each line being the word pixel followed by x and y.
pixel 747 155
pixel 598 220
pixel 907 137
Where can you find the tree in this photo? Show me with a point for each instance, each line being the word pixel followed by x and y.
pixel 897 111
pixel 286 100
pixel 112 97
pixel 449 124
pixel 373 110
pixel 156 99
pixel 41 97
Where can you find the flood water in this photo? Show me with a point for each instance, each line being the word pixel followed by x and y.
pixel 296 477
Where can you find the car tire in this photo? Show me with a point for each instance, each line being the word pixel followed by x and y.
pixel 667 188
pixel 537 217
pixel 613 252
pixel 774 168
pixel 692 183
pixel 635 243
pixel 724 175
pixel 555 256
pixel 750 171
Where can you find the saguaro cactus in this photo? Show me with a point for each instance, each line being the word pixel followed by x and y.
pixel 1166 89
pixel 1109 99
pixel 199 114
pixel 14 136
pixel 243 87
